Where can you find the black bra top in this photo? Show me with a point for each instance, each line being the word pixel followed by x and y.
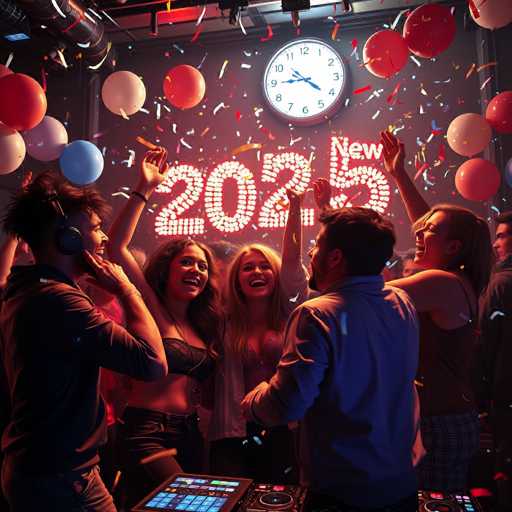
pixel 185 359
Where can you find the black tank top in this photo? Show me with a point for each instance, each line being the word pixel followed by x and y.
pixel 185 359
pixel 444 384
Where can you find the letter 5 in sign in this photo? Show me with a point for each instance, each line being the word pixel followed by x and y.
pixel 304 81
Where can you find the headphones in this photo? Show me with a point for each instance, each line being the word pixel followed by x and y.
pixel 68 239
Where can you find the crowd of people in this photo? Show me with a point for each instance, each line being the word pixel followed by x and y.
pixel 365 378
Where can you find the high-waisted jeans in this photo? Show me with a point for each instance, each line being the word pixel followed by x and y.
pixel 147 433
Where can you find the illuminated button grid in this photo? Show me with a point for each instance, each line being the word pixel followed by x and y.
pixel 186 502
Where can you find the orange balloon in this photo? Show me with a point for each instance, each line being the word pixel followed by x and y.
pixel 385 53
pixel 184 86
pixel 477 179
pixel 23 103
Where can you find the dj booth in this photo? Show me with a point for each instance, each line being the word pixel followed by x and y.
pixel 202 493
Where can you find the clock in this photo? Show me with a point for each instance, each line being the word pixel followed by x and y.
pixel 304 81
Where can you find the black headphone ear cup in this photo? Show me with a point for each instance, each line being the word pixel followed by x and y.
pixel 69 240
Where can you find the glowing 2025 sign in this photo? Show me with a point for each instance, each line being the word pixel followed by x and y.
pixel 369 183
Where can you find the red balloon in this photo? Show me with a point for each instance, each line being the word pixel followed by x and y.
pixel 23 104
pixel 385 53
pixel 499 112
pixel 184 86
pixel 429 30
pixel 477 179
pixel 4 71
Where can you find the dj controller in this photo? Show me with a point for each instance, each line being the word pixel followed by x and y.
pixel 203 493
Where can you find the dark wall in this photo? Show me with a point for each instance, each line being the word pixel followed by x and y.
pixel 431 96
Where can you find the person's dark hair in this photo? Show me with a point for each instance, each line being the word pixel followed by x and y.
pixel 364 237
pixel 205 311
pixel 33 217
pixel 475 257
pixel 504 218
pixel 223 250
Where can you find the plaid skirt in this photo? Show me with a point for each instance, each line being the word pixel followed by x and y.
pixel 451 442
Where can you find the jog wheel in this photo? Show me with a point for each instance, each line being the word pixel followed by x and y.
pixel 439 506
pixel 276 500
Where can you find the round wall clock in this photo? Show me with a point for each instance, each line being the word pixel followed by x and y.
pixel 304 81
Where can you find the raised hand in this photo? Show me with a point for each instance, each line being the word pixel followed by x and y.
pixel 154 169
pixel 322 190
pixel 393 153
pixel 294 197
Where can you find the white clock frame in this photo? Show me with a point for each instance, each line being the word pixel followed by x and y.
pixel 308 96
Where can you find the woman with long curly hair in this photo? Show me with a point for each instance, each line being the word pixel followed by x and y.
pixel 179 285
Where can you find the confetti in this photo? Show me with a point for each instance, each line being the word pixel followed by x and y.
pixel 335 31
pixel 245 147
pixel 494 314
pixel 201 16
pixel 344 329
pixel 205 131
pixel 183 142
pixel 223 68
pixel 9 59
pixel 100 63
pixel 362 89
pixel 474 9
pixel 144 142
pixel 415 60
pixel 421 170
pixel 123 194
pixel 391 99
pixel 218 107
pixel 294 299
pixel 377 114
pixel 202 60
pixel 484 66
pixel 123 114
pixel 471 70
pixel 486 81
pixel 160 455
pixel 195 37
pixel 245 66
pixel 269 35
pixel 176 47
pixel 43 79
pixel 397 19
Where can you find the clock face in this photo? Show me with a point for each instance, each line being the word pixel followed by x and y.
pixel 304 81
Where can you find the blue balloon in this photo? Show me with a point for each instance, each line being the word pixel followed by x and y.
pixel 81 162
pixel 508 173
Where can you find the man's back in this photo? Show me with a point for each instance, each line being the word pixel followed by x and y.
pixel 359 431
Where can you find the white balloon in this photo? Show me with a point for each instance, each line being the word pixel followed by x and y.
pixel 47 140
pixel 123 92
pixel 493 13
pixel 12 149
pixel 468 134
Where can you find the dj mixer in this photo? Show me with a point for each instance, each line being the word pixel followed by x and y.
pixel 203 493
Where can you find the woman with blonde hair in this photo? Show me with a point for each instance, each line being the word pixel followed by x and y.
pixel 258 299
pixel 453 250
pixel 179 285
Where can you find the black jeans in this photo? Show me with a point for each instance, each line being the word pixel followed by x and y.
pixel 73 491
pixel 265 455
pixel 145 433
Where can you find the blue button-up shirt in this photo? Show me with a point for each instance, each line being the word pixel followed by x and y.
pixel 347 371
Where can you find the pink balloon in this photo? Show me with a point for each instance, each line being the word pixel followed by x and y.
pixel 429 30
pixel 499 112
pixel 123 92
pixel 468 134
pixel 12 149
pixel 4 71
pixel 385 53
pixel 477 179
pixel 47 140
pixel 492 13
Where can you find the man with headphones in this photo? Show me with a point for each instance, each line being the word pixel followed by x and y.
pixel 54 341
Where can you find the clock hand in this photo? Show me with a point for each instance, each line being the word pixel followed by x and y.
pixel 306 79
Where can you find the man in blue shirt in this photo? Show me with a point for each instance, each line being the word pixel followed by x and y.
pixel 348 370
